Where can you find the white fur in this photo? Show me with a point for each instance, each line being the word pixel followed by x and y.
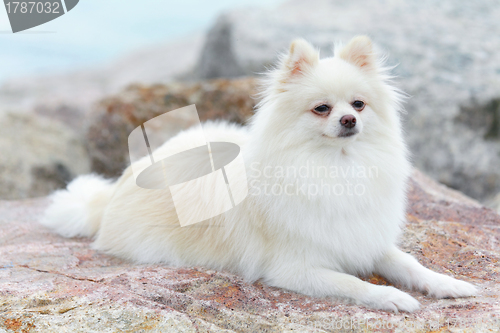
pixel 70 214
pixel 313 244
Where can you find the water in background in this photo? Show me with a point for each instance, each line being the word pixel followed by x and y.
pixel 97 31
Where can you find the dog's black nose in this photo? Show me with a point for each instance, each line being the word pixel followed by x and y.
pixel 348 121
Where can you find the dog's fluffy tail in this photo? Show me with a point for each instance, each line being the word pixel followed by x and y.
pixel 78 210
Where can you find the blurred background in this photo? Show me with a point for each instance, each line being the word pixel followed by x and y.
pixel 71 90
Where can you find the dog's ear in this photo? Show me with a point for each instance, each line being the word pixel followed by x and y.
pixel 359 52
pixel 300 58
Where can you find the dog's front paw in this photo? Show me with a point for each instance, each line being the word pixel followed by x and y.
pixel 444 286
pixel 391 299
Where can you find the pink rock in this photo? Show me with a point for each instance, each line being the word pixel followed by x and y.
pixel 50 283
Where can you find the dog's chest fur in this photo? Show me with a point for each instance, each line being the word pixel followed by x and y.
pixel 343 210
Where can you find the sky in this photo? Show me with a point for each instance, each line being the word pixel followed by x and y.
pixel 97 31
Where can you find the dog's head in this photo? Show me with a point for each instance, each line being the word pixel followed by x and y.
pixel 333 101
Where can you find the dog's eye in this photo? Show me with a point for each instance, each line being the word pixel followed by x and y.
pixel 358 105
pixel 322 109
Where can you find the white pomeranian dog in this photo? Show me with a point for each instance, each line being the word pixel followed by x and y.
pixel 312 233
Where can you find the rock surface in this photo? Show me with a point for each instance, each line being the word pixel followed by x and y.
pixel 115 117
pixel 37 156
pixel 447 57
pixel 51 284
pixel 43 118
pixel 217 58
pixel 495 203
